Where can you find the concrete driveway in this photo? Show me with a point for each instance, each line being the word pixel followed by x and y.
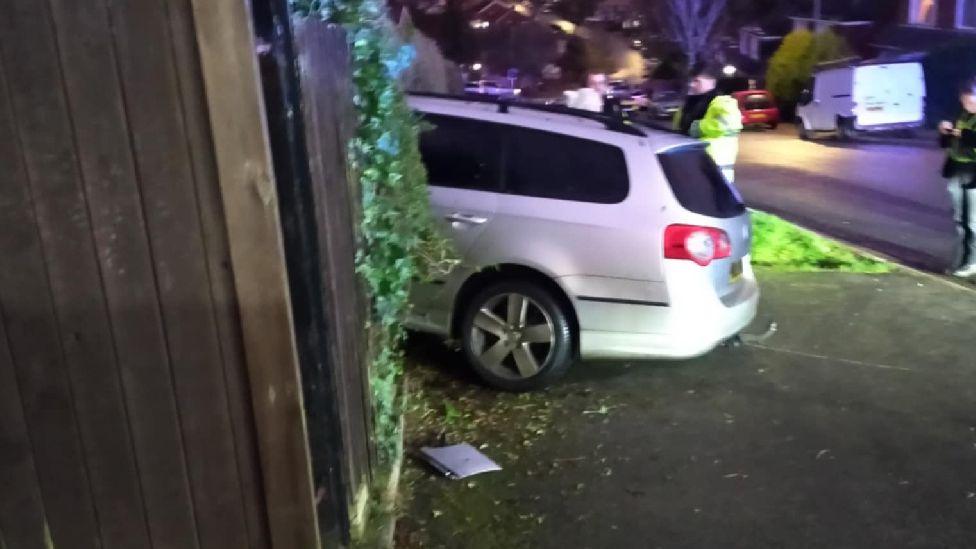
pixel 853 426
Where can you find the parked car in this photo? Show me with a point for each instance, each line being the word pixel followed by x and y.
pixel 663 105
pixel 758 108
pixel 630 97
pixel 582 237
pixel 490 87
pixel 867 97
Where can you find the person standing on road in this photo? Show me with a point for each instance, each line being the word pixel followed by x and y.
pixel 960 173
pixel 590 97
pixel 712 117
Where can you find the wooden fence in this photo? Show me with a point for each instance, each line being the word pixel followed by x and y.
pixel 149 377
pixel 329 123
pixel 308 95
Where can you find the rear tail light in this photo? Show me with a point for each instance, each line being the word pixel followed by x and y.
pixel 699 244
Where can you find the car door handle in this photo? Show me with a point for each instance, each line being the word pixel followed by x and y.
pixel 458 217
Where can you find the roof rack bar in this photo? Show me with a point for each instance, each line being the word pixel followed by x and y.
pixel 611 122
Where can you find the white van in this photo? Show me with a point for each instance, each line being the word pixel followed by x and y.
pixel 865 97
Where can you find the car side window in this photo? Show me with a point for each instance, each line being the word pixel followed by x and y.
pixel 549 165
pixel 460 153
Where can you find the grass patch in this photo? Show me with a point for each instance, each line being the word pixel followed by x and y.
pixel 782 246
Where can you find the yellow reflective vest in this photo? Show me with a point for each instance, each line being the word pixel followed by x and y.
pixel 720 128
pixel 959 149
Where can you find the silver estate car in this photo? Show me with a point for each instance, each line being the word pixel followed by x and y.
pixel 583 237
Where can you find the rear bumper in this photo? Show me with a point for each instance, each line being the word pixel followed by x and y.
pixel 888 127
pixel 753 119
pixel 691 325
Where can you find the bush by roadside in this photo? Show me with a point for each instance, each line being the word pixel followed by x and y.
pixel 782 246
pixel 793 63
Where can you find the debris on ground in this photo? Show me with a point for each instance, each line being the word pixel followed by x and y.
pixel 459 460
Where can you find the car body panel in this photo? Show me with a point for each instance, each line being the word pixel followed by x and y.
pixel 608 259
pixel 875 96
pixel 768 114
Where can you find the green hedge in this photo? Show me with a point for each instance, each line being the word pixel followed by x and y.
pixel 401 243
pixel 792 64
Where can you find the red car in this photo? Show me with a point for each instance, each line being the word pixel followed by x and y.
pixel 758 108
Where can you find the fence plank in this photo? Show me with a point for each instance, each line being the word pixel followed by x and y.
pixel 22 520
pixel 218 262
pixel 130 288
pixel 329 124
pixel 172 214
pixel 240 139
pixel 43 145
pixel 100 137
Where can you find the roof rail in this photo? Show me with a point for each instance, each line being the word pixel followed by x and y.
pixel 612 122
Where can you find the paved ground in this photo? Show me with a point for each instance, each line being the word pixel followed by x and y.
pixel 883 194
pixel 854 426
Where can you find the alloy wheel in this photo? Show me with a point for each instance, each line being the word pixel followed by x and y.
pixel 512 336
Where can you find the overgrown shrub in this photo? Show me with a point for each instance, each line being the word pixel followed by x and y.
pixel 400 241
pixel 792 64
pixel 431 71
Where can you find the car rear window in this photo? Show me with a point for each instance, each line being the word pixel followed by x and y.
pixel 758 102
pixel 461 153
pixel 698 184
pixel 550 165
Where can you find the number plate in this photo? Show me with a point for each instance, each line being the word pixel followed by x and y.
pixel 759 116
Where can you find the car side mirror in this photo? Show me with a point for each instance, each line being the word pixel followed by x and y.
pixel 805 97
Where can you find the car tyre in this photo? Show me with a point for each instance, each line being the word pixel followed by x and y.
pixel 773 125
pixel 517 335
pixel 845 129
pixel 802 130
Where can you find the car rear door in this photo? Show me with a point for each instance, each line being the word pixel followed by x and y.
pixel 889 94
pixel 462 157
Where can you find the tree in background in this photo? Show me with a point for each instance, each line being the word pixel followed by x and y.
pixel 828 46
pixel 792 64
pixel 585 55
pixel 689 23
pixel 430 70
pixel 573 61
pixel 575 11
pixel 454 33
pixel 527 46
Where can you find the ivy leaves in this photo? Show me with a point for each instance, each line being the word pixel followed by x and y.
pixel 400 243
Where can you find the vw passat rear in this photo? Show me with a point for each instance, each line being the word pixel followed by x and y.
pixel 582 237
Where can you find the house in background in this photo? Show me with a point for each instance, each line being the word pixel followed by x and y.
pixel 927 24
pixel 755 46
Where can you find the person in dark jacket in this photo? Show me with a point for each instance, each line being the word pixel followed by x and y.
pixel 702 90
pixel 959 138
pixel 712 117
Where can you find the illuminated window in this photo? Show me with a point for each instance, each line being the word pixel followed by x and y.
pixel 966 14
pixel 923 12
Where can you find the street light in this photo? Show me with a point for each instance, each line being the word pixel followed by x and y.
pixel 729 70
pixel 476 67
